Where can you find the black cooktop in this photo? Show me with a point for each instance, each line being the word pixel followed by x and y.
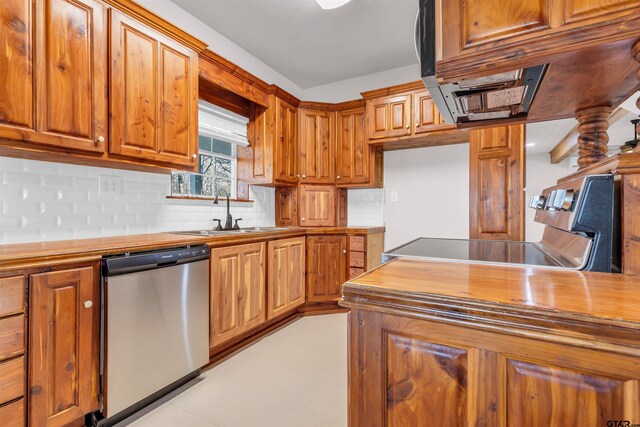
pixel 481 251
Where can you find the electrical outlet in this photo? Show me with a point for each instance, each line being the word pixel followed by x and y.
pixel 110 186
pixel 394 196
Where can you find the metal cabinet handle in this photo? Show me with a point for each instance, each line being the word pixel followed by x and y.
pixel 101 138
pixel 407 126
pixel 304 176
pixel 344 251
pixel 301 219
pixel 338 177
pixel 194 156
pixel 88 304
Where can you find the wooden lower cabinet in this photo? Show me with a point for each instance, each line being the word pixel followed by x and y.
pixel 237 291
pixel 64 324
pixel 286 267
pixel 409 372
pixel 326 267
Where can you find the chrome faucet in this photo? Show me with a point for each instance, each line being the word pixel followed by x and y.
pixel 228 224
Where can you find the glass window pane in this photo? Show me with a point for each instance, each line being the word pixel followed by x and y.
pixel 204 143
pixel 222 167
pixel 221 147
pixel 201 185
pixel 222 184
pixel 205 165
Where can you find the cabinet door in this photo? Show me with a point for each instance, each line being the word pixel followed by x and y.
pixel 389 117
pixel 72 74
pixel 426 115
pixel 317 205
pixel 353 160
pixel 16 66
pixel 59 71
pixel 317 147
pixel 237 291
pixel 285 167
pixel 286 206
pixel 326 267
pixel 64 345
pixel 496 210
pixel 286 276
pixel 154 95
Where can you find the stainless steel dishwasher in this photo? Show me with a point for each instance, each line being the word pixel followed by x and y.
pixel 155 326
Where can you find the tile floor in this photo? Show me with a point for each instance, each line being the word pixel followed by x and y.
pixel 295 377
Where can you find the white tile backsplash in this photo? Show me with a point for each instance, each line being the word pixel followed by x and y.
pixel 42 201
pixel 366 207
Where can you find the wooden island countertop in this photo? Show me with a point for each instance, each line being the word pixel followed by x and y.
pixel 601 297
pixel 454 343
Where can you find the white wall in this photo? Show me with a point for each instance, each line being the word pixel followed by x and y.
pixel 432 186
pixel 42 201
pixel 540 174
pixel 219 43
pixel 346 90
pixel 433 192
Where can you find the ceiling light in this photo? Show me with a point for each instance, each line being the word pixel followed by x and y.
pixel 332 4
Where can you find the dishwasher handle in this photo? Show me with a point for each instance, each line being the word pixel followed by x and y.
pixel 118 265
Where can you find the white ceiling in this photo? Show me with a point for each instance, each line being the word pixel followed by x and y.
pixel 311 46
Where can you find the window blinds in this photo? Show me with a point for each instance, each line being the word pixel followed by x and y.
pixel 218 123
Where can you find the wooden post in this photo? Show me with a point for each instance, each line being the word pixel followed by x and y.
pixel 593 137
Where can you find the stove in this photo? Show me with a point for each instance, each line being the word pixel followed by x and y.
pixel 581 233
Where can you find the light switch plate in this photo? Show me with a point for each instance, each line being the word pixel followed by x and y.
pixel 394 196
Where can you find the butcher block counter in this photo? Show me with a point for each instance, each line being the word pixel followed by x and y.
pixel 458 344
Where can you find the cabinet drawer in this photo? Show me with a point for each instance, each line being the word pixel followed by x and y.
pixel 11 295
pixel 11 336
pixel 11 379
pixel 12 415
pixel 356 259
pixel 354 272
pixel 356 243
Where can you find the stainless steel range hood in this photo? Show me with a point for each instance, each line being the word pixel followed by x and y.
pixel 507 95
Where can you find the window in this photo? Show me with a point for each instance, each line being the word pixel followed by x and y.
pixel 220 133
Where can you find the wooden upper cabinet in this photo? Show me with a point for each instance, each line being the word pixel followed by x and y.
pixel 285 165
pixel 154 95
pixel 237 291
pixel 317 205
pixel 64 345
pixel 317 146
pixel 286 282
pixel 326 267
pixel 389 116
pixel 54 85
pixel 356 162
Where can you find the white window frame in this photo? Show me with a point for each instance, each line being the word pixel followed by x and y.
pixel 234 167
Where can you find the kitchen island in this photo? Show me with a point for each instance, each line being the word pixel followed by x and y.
pixel 457 344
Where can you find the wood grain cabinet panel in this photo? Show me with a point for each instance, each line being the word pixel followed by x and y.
pixel 12 290
pixel 407 371
pixel 317 205
pixel 357 163
pixel 426 383
pixel 286 206
pixel 53 88
pixel 12 379
pixel 497 183
pixel 154 95
pixel 389 116
pixel 12 414
pixel 63 346
pixel 285 166
pixel 326 267
pixel 577 10
pixel 16 68
pixel 237 291
pixel 540 395
pixel 286 282
pixel 490 20
pixel 11 336
pixel 317 146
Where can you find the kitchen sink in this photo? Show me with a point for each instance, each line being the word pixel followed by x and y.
pixel 223 232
